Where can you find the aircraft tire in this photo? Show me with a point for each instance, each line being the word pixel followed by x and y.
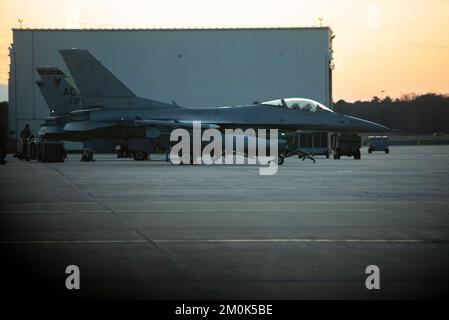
pixel 281 160
pixel 140 156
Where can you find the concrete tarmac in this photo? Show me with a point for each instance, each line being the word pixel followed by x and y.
pixel 154 230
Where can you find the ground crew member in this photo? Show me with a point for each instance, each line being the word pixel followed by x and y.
pixel 24 135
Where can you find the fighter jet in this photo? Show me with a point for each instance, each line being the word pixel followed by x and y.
pixel 115 112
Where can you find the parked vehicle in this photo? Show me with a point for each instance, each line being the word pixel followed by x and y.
pixel 346 144
pixel 378 143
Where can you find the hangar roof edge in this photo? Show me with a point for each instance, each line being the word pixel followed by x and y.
pixel 174 29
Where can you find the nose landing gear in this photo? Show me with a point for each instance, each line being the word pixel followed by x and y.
pixel 140 155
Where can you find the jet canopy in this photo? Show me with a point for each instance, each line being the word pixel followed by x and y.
pixel 299 104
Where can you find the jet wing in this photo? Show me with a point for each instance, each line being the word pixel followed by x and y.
pixel 173 124
pixel 92 125
pixel 87 125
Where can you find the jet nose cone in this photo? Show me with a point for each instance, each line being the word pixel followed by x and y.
pixel 360 125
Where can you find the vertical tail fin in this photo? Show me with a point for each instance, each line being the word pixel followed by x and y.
pixel 47 96
pixel 62 95
pixel 91 77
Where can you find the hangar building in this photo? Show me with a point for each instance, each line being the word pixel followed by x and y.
pixel 193 67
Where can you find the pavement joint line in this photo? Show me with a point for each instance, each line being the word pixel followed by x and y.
pixel 145 240
pixel 403 241
pixel 274 210
pixel 103 204
pixel 324 201
pixel 156 210
pixel 70 241
pixel 330 202
pixel 295 240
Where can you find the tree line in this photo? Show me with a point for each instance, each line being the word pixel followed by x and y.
pixel 426 113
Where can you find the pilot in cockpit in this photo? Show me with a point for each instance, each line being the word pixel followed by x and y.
pixel 307 107
pixel 295 106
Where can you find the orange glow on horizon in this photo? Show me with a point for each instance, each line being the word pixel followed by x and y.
pixel 393 46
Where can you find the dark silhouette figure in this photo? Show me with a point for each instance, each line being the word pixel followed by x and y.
pixel 3 144
pixel 25 134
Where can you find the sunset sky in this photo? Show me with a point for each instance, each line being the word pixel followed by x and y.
pixel 398 46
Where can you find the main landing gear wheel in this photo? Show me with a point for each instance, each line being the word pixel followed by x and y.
pixel 140 156
pixel 279 159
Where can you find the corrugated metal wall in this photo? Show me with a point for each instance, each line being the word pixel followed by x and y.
pixel 194 67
